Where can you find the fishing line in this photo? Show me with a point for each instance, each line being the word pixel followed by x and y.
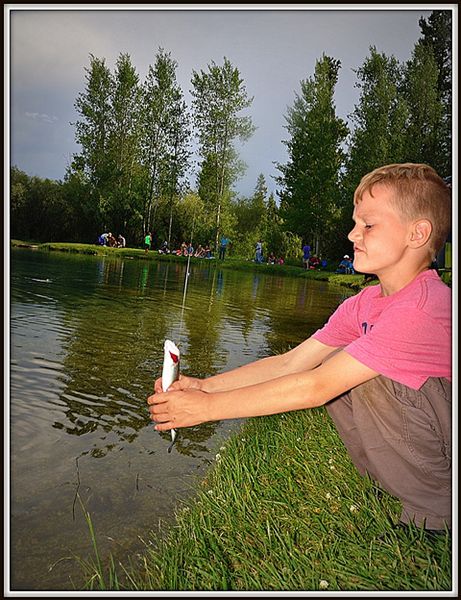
pixel 174 432
pixel 186 281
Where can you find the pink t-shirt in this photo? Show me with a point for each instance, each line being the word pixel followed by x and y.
pixel 405 336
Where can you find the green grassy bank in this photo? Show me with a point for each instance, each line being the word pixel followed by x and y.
pixel 283 509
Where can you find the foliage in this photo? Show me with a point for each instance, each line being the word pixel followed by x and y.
pixel 134 145
pixel 164 142
pixel 38 208
pixel 94 162
pixel 437 35
pixel 379 119
pixel 250 215
pixel 135 152
pixel 376 136
pixel 124 142
pixel 218 97
pixel 424 131
pixel 309 182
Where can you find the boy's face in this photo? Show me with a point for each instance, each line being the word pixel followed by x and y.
pixel 380 234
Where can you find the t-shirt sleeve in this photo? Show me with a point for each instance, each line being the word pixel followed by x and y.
pixel 341 328
pixel 406 345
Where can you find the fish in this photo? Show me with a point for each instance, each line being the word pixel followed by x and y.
pixel 170 373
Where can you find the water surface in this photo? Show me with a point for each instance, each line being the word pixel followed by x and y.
pixel 86 344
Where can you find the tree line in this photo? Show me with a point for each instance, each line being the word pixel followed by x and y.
pixel 136 138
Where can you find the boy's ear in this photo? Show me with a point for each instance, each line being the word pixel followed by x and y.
pixel 420 233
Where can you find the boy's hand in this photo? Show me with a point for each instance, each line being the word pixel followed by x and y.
pixel 179 407
pixel 183 383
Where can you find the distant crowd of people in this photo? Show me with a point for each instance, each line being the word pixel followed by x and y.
pixel 187 250
pixel 271 258
pixel 108 239
pixel 274 260
pixel 310 261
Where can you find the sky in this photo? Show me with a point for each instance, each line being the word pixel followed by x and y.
pixel 274 47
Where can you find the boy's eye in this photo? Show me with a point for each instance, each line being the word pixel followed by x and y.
pixel 368 226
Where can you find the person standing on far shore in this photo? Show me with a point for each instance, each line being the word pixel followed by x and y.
pixel 223 247
pixel 306 255
pixel 259 252
pixel 147 242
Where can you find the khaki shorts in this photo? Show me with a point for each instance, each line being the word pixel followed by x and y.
pixel 401 437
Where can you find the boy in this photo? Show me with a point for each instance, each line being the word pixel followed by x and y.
pixel 382 362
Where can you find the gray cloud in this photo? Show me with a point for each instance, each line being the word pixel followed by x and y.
pixel 41 117
pixel 274 49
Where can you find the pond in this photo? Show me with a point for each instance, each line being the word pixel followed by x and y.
pixel 86 344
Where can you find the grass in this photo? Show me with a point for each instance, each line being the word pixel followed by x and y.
pixel 283 509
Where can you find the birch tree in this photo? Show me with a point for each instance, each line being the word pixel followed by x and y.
pixel 124 152
pixel 218 98
pixel 165 137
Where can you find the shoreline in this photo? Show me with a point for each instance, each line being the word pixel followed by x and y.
pixel 355 282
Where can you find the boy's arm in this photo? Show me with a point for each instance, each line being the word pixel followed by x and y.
pixel 305 356
pixel 293 391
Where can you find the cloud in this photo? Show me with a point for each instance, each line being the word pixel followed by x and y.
pixel 273 49
pixel 41 117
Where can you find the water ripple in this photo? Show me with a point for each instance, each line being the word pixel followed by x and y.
pixel 86 346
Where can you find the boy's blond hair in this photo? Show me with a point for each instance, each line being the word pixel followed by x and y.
pixel 420 193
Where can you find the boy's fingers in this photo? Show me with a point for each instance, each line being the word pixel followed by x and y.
pixel 159 412
pixel 158 385
pixel 164 426
pixel 176 385
pixel 156 399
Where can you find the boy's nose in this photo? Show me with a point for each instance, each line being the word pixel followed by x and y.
pixel 353 234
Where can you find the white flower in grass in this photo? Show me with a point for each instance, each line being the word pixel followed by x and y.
pixel 210 492
pixel 218 457
pixel 330 461
pixel 323 584
pixel 328 496
pixel 223 448
pixel 353 508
